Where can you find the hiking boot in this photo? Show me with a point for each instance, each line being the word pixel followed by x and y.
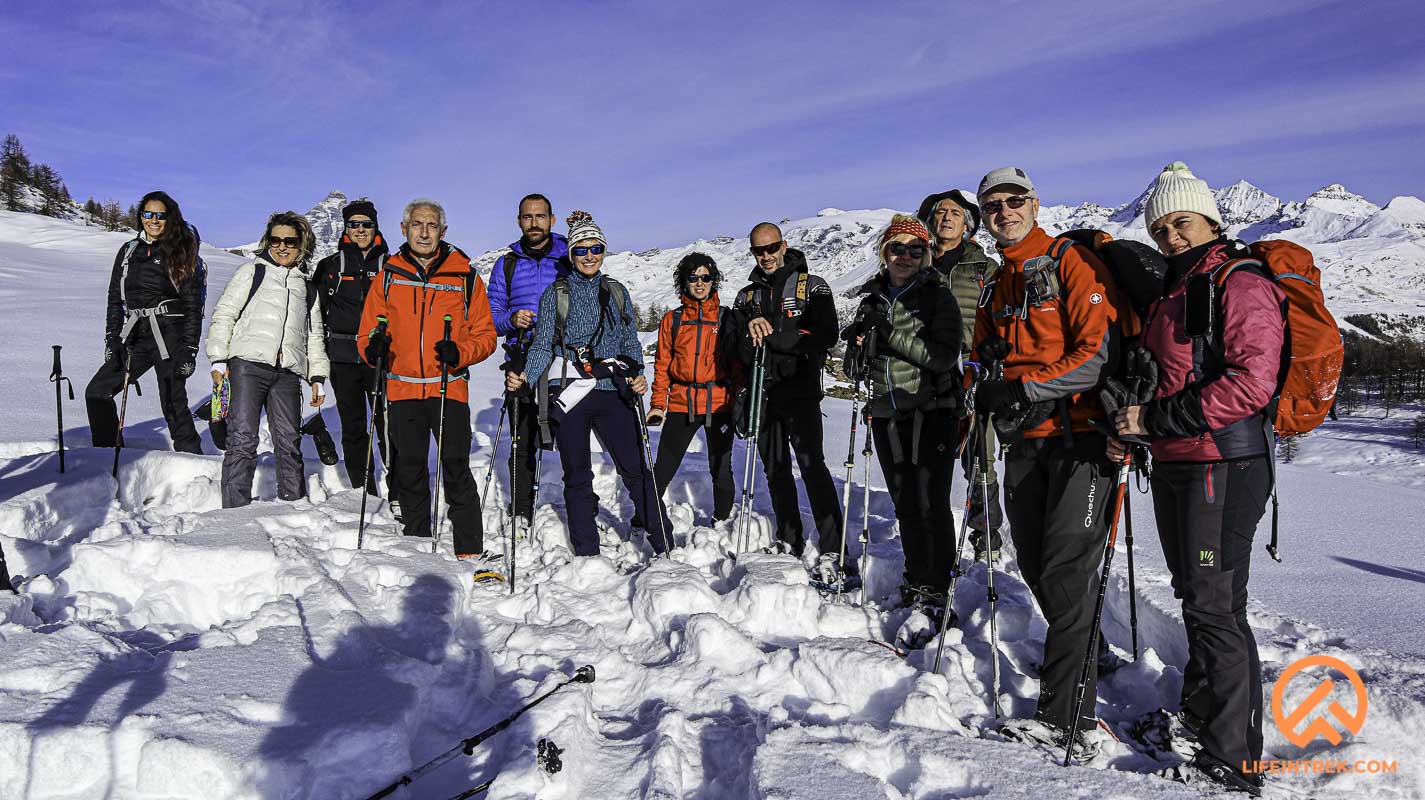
pixel 1161 733
pixel 977 541
pixel 1207 773
pixel 316 428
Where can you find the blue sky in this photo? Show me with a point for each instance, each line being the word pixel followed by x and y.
pixel 674 120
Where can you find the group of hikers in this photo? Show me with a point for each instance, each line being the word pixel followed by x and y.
pixel 1055 353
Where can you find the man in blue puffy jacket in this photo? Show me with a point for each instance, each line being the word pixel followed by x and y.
pixel 517 281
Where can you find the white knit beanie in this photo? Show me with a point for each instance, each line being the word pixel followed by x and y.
pixel 582 226
pixel 1177 189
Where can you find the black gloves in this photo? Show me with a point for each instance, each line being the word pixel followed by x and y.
pixel 186 363
pixel 378 347
pixel 1000 396
pixel 993 350
pixel 114 351
pixel 447 353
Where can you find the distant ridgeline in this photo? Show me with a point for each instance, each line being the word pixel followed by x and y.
pixel 38 189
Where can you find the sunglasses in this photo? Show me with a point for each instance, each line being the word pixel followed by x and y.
pixel 898 249
pixel 580 252
pixel 767 249
pixel 352 225
pixel 158 215
pixel 699 279
pixel 285 241
pixel 995 206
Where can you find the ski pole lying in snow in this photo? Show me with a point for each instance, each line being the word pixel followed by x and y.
pixel 584 674
pixel 56 377
pixel 366 476
pixel 1091 655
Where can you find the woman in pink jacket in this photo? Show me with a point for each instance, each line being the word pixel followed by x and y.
pixel 1209 424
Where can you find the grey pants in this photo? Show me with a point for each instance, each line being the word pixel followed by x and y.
pixel 255 387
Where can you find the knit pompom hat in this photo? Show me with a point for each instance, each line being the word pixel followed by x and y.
pixel 582 226
pixel 1177 189
pixel 905 223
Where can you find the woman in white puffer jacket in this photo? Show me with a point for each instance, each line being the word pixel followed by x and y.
pixel 266 334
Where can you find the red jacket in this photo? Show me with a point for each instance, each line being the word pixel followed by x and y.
pixel 1059 348
pixel 694 373
pixel 1252 338
pixel 414 301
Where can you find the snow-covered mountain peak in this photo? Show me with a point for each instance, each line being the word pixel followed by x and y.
pixel 1242 203
pixel 1337 199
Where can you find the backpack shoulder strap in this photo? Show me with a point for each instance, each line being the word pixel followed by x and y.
pixel 259 274
pixel 508 264
pixel 618 290
pixel 561 309
pixel 469 288
pixel 124 270
pixel 678 323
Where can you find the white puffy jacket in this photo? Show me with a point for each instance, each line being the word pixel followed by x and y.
pixel 275 329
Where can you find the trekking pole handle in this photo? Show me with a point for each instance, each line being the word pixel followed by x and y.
pixel 55 374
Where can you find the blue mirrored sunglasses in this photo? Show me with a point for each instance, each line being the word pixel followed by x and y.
pixel 580 252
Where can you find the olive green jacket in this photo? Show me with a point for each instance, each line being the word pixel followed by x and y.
pixel 966 276
pixel 915 367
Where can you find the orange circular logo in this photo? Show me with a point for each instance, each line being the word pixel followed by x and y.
pixel 1321 725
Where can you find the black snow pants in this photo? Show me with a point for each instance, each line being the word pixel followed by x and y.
pixel 1207 515
pixel 172 396
pixel 352 386
pixel 414 423
pixel 920 490
pixel 796 425
pixel 1058 498
pixel 522 459
pixel 678 432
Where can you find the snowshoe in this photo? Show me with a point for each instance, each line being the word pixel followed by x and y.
pixel 486 568
pixel 828 576
pixel 395 506
pixel 1207 773
pixel 1163 735
pixel 927 608
pixel 1087 744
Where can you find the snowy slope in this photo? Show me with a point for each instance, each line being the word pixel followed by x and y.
pixel 168 648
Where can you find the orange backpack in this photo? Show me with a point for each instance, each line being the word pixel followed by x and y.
pixel 1313 353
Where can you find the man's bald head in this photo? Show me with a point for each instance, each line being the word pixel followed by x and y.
pixel 767 246
pixel 766 232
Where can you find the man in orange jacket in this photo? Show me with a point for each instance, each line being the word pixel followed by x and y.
pixel 419 286
pixel 1048 320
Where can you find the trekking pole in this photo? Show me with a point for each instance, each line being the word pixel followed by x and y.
pixel 546 756
pixel 983 476
pixel 1091 654
pixel 865 539
pixel 964 531
pixel 657 490
pixel 367 479
pixel 515 441
pixel 494 451
pixel 1128 540
pixel 56 377
pixel 850 472
pixel 584 674
pixel 754 428
pixel 439 445
pixel 123 409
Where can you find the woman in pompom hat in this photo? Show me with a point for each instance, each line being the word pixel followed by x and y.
pixel 904 346
pixel 1211 476
pixel 593 363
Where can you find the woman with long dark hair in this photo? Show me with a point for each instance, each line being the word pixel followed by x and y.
pixel 692 379
pixel 155 316
pixel 267 336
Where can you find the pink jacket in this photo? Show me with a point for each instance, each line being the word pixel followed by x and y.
pixel 1213 416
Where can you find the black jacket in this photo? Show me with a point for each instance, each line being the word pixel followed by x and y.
pixel 147 286
pixel 342 292
pixel 912 345
pixel 797 348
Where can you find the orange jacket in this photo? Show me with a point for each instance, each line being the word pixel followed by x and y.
pixel 695 370
pixel 415 301
pixel 1062 347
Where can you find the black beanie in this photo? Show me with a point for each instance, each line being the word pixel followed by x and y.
pixel 355 207
pixel 961 198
